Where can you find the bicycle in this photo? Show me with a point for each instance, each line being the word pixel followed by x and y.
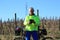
pixel 42 33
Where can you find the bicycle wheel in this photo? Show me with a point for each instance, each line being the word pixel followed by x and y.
pixel 17 38
pixel 47 38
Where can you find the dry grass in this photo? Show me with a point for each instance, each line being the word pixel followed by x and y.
pixel 7 30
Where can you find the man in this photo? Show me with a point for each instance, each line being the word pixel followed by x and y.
pixel 31 22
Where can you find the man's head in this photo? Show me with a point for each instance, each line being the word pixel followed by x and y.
pixel 31 10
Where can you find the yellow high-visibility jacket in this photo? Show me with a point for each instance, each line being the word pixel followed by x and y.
pixel 32 27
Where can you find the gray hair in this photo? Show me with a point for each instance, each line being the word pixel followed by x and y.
pixel 31 8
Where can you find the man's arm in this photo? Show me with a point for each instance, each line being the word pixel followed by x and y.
pixel 37 21
pixel 26 22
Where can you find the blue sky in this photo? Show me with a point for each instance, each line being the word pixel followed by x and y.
pixel 46 8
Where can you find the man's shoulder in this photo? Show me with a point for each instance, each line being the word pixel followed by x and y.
pixel 36 16
pixel 27 16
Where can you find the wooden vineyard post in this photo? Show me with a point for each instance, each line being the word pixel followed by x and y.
pixel 9 26
pixel 43 22
pixel 46 22
pixel 59 23
pixel 1 26
pixel 37 12
pixel 38 16
pixel 56 23
pixel 15 20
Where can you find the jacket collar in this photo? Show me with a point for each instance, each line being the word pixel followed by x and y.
pixel 32 14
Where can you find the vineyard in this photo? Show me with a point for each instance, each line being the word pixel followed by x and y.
pixel 52 25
